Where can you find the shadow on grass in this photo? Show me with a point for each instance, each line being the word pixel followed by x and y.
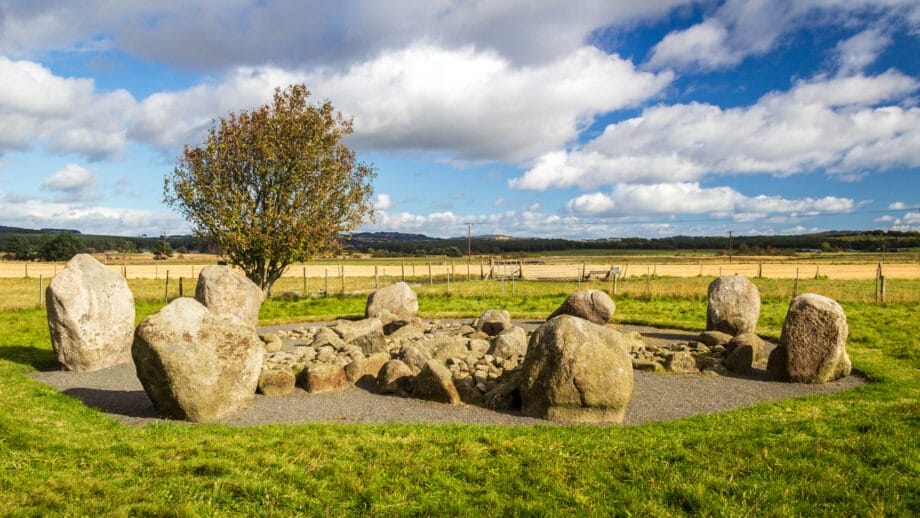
pixel 130 403
pixel 38 359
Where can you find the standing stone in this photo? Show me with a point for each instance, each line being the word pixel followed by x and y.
pixel 812 347
pixel 576 371
pixel 195 364
pixel 592 305
pixel 230 294
pixel 734 305
pixel 435 383
pixel 393 303
pixel 90 315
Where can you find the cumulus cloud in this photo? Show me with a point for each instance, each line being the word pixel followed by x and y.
pixel 861 50
pixel 382 201
pixel 845 125
pixel 68 114
pixel 741 28
pixel 472 105
pixel 690 198
pixel 71 179
pixel 225 34
pixel 898 205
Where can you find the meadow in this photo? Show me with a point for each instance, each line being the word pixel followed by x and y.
pixel 849 453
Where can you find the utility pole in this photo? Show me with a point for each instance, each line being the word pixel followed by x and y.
pixel 469 253
pixel 730 246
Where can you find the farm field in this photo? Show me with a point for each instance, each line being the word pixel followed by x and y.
pixel 834 266
pixel 852 453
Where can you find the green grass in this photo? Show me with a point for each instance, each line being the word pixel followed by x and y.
pixel 850 453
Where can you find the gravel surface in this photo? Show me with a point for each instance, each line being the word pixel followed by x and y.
pixel 656 397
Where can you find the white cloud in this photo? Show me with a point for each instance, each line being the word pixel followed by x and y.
pixel 845 125
pixel 741 28
pixel 884 219
pixel 470 104
pixel 689 198
pixel 898 205
pixel 703 45
pixel 228 33
pixel 35 213
pixel 382 202
pixel 67 114
pixel 477 104
pixel 71 179
pixel 861 50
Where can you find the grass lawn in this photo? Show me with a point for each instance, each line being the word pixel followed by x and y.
pixel 850 453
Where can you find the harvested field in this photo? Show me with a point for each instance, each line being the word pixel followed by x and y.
pixel 460 269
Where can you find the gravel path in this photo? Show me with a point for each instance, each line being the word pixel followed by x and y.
pixel 656 397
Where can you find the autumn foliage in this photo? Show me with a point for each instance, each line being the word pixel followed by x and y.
pixel 273 186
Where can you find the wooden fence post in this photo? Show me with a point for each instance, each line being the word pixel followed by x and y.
pixel 180 286
pixel 403 271
pixel 304 281
pixel 376 278
pixel 326 287
pixel 40 292
pixel 795 289
pixel 341 278
pixel 430 276
pixel 166 290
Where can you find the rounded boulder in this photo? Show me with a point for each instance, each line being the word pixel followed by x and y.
pixel 734 305
pixel 576 371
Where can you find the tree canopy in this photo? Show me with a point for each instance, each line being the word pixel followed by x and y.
pixel 273 186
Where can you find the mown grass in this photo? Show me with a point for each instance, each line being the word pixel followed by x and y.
pixel 850 453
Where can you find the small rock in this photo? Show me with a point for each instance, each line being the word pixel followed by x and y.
pixel 435 383
pixel 322 377
pixel 395 377
pixel 715 338
pixel 493 321
pixel 276 382
pixel 682 362
pixel 594 306
pixel 647 365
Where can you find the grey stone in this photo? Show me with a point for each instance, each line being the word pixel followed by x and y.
pixel 592 305
pixel 493 321
pixel 323 377
pixel 812 347
pixel 576 371
pixel 393 303
pixel 276 382
pixel 714 338
pixel 435 383
pixel 228 293
pixel 682 362
pixel 90 315
pixel 395 377
pixel 194 364
pixel 734 305
pixel 511 343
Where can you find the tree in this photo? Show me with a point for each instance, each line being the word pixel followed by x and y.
pixel 20 248
pixel 161 249
pixel 273 186
pixel 60 246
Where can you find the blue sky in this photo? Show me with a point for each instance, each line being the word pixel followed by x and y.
pixel 589 119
